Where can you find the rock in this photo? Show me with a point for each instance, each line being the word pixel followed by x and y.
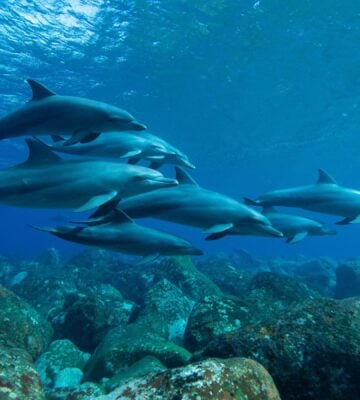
pixel 122 347
pixel 86 391
pixel 226 275
pixel 272 293
pixel 181 272
pixel 238 378
pixel 88 317
pixel 212 317
pixel 61 354
pixel 348 279
pixel 318 275
pixel 50 258
pixel 21 326
pixel 166 311
pixel 145 366
pixel 18 378
pixel 312 350
pixel 68 377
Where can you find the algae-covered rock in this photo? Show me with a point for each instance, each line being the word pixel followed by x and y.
pixel 238 379
pixel 213 316
pixel 88 317
pixel 182 273
pixel 166 311
pixel 348 279
pixel 318 274
pixel 226 275
pixel 61 354
pixel 312 350
pixel 85 391
pixel 145 366
pixel 19 379
pixel 122 347
pixel 21 326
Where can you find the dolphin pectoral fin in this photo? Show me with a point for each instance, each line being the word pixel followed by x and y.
pixel 130 154
pixel 216 236
pixel 39 91
pixel 297 237
pixel 219 228
pixel 349 220
pixel 99 201
pixel 90 137
pixel 148 259
pixel 116 216
pixel 155 165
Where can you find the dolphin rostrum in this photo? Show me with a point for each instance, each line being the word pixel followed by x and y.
pixel 325 196
pixel 117 232
pixel 189 204
pixel 49 113
pixel 131 145
pixel 295 227
pixel 47 181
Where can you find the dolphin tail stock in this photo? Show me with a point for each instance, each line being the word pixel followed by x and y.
pixel 251 202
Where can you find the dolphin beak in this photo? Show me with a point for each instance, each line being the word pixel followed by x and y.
pixel 162 181
pixel 188 164
pixel 136 126
pixel 271 231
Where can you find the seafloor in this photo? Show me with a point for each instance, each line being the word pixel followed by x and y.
pixel 226 327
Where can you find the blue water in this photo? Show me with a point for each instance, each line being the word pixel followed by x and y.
pixel 259 94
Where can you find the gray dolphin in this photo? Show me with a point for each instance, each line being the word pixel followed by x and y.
pixel 117 232
pixel 189 204
pixel 325 196
pixel 47 181
pixel 131 145
pixel 295 227
pixel 82 119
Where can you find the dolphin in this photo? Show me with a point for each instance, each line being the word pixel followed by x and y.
pixel 80 118
pixel 294 227
pixel 117 232
pixel 131 145
pixel 45 180
pixel 189 204
pixel 325 196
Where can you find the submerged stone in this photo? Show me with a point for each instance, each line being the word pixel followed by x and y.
pixel 348 279
pixel 19 379
pixel 85 391
pixel 166 311
pixel 61 354
pixel 21 326
pixel 122 347
pixel 312 350
pixel 238 379
pixel 214 316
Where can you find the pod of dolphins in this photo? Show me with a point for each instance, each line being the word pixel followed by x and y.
pixel 119 192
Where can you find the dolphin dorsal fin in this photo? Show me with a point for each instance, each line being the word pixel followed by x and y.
pixel 183 177
pixel 39 91
pixel 39 153
pixel 269 209
pixel 324 177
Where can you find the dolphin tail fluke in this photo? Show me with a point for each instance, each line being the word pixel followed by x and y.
pixel 251 202
pixel 349 220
